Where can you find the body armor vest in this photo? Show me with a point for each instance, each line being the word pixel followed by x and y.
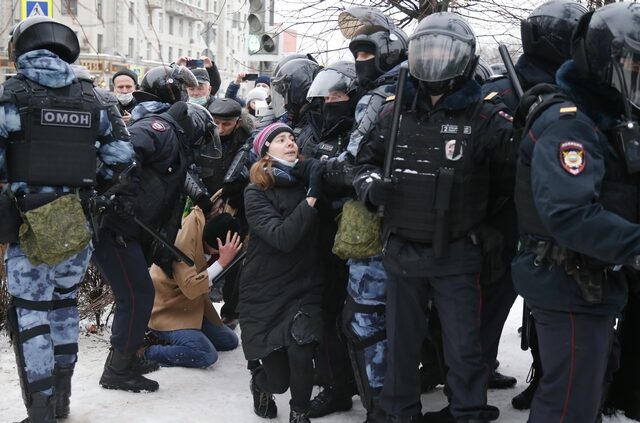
pixel 59 128
pixel 440 191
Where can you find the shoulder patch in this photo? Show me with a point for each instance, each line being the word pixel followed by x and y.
pixel 490 96
pixel 390 98
pixel 573 158
pixel 505 115
pixel 572 109
pixel 158 126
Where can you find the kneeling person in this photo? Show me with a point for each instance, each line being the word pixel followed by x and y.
pixel 183 318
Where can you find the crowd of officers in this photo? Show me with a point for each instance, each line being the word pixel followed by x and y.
pixel 489 186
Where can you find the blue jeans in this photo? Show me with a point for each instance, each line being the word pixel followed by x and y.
pixel 192 347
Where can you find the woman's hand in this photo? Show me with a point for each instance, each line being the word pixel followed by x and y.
pixel 228 251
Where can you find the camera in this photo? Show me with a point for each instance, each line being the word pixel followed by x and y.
pixel 195 63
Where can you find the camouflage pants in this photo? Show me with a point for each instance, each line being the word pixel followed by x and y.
pixel 46 283
pixel 368 286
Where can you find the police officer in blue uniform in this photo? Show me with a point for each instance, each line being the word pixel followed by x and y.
pixel 51 127
pixel 450 142
pixel 164 145
pixel 577 201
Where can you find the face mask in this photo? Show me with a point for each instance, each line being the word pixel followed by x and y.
pixel 367 72
pixel 198 100
pixel 436 88
pixel 337 116
pixel 283 162
pixel 124 99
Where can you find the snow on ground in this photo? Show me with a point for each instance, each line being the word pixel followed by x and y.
pixel 220 394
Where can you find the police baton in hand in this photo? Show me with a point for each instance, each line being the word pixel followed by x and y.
pixel 511 70
pixel 395 125
pixel 175 251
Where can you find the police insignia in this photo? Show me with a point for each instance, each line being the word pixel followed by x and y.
pixel 572 157
pixel 450 151
pixel 158 126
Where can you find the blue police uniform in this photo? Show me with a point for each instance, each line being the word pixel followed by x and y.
pixel 45 295
pixel 574 228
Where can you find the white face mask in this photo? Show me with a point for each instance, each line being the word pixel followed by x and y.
pixel 283 162
pixel 198 100
pixel 124 99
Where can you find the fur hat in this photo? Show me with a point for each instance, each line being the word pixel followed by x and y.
pixel 263 139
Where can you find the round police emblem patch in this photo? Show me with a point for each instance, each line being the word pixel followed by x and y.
pixel 572 157
pixel 450 151
pixel 158 126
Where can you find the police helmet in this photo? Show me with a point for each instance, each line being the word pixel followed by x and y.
pixel 388 45
pixel 352 21
pixel 205 131
pixel 606 46
pixel 289 57
pixel 483 72
pixel 442 50
pixel 290 86
pixel 165 84
pixel 546 33
pixel 338 77
pixel 41 32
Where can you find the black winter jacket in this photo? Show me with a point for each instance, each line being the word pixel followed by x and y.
pixel 280 288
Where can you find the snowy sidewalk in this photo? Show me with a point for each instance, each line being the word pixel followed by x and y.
pixel 219 394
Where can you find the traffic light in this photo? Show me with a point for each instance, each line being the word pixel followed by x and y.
pixel 261 40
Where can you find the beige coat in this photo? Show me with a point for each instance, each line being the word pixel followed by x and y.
pixel 182 301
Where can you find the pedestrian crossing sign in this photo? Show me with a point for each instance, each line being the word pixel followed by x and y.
pixel 37 8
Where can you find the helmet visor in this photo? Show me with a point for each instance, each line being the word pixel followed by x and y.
pixel 280 87
pixel 626 77
pixel 329 83
pixel 437 57
pixel 209 148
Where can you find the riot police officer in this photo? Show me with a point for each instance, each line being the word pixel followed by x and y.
pixel 378 46
pixel 454 146
pixel 164 146
pixel 546 44
pixel 49 126
pixel 576 197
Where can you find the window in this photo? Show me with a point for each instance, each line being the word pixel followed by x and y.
pixel 131 14
pixel 160 22
pixel 189 53
pixel 150 19
pixel 181 27
pixel 69 7
pixel 171 25
pixel 179 52
pixel 100 39
pixel 227 38
pixel 130 48
pixel 190 34
pixel 148 51
pixel 170 54
pixel 99 9
pixel 160 52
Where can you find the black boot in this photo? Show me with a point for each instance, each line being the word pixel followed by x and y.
pixel 296 416
pixel 41 409
pixel 144 366
pixel 62 388
pixel 119 373
pixel 329 401
pixel 264 405
pixel 442 416
pixel 522 401
pixel 499 381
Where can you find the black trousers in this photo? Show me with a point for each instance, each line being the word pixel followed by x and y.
pixel 123 265
pixel 290 368
pixel 230 293
pixel 574 349
pixel 457 298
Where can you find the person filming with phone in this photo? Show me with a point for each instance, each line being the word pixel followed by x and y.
pixel 206 72
pixel 261 81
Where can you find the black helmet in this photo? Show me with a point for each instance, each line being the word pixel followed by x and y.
pixel 442 52
pixel 206 140
pixel 289 57
pixel 388 46
pixel 546 33
pixel 353 20
pixel 165 84
pixel 483 72
pixel 606 46
pixel 41 32
pixel 290 86
pixel 340 76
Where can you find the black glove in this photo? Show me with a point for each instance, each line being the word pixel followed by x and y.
pixel 380 192
pixel 315 179
pixel 123 206
pixel 304 168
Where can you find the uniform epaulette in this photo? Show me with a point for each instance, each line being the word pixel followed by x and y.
pixel 568 110
pixel 492 96
pixel 390 98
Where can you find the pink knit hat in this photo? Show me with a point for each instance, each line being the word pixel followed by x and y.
pixel 263 139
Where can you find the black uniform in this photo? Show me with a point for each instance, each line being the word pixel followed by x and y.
pixel 471 137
